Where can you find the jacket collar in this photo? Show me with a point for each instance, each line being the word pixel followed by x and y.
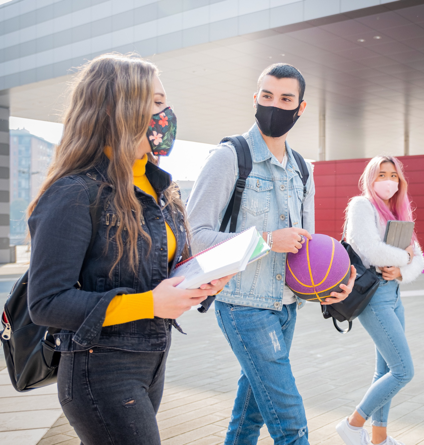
pixel 261 152
pixel 158 178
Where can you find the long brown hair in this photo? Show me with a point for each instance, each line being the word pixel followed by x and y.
pixel 111 105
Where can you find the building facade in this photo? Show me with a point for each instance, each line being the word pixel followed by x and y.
pixel 363 61
pixel 30 157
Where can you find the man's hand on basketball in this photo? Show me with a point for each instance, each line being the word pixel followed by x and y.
pixel 337 297
pixel 289 240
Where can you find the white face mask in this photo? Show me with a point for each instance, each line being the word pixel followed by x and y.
pixel 386 189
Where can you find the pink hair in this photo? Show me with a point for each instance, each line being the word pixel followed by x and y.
pixel 399 204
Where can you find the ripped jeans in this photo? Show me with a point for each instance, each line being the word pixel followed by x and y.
pixel 111 396
pixel 261 340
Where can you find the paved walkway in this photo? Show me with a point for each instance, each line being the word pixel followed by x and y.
pixel 332 372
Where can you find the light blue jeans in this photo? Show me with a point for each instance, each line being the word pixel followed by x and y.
pixel 384 320
pixel 261 340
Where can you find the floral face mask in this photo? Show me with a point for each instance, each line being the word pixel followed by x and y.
pixel 162 132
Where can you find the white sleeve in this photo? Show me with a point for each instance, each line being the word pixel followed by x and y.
pixel 362 229
pixel 412 271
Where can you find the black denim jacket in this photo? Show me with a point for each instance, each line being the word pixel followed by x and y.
pixel 60 228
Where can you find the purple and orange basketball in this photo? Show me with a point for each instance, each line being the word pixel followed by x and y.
pixel 318 269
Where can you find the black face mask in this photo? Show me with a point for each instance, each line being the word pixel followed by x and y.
pixel 273 121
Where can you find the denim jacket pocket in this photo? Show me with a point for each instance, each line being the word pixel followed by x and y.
pixel 257 196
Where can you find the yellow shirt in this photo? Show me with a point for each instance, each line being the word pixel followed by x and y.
pixel 131 307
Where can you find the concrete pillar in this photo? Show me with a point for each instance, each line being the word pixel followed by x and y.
pixel 321 134
pixel 406 139
pixel 4 186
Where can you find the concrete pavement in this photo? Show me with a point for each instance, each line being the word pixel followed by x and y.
pixel 332 372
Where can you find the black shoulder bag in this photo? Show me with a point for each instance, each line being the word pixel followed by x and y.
pixel 366 285
pixel 244 159
pixel 29 349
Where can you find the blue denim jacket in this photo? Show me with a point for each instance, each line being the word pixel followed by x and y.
pixel 272 193
pixel 60 229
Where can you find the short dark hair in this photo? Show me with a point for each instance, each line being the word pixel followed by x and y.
pixel 284 71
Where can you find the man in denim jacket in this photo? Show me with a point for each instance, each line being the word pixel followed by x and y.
pixel 256 311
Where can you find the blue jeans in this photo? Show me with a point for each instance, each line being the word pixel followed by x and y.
pixel 261 340
pixel 384 320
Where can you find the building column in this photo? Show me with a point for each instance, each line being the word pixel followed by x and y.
pixel 4 186
pixel 406 138
pixel 321 135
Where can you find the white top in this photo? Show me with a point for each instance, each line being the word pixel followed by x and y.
pixel 365 233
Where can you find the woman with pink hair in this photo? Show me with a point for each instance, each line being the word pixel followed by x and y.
pixel 384 197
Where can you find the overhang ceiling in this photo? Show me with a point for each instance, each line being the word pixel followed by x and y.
pixel 364 71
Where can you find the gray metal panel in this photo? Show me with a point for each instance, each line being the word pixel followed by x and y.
pixel 170 42
pixel 4 149
pixel 223 29
pixel 286 15
pixel 28 76
pixel 257 21
pixel 193 4
pixel 4 113
pixel 62 38
pixel 46 13
pixel 4 172
pixel 12 52
pixel 80 4
pixel 4 196
pixel 44 72
pixel 317 8
pixel 145 14
pixel 61 68
pixel 28 19
pixel 350 5
pixel 196 35
pixel 81 32
pixel 100 27
pixel 4 125
pixel 62 8
pixel 43 43
pixel 146 47
pixel 9 25
pixel 4 242
pixel 169 7
pixel 124 49
pixel 122 20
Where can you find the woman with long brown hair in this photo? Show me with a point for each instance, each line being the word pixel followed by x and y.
pixel 102 281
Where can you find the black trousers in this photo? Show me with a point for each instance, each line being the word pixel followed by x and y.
pixel 111 397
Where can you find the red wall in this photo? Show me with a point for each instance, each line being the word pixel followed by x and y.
pixel 337 181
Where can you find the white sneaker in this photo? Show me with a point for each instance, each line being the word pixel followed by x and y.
pixel 391 441
pixel 353 437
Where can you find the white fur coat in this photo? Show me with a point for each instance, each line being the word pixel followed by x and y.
pixel 365 234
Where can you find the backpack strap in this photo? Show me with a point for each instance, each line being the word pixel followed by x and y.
pixel 244 159
pixel 304 175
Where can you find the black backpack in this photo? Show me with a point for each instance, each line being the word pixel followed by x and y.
pixel 29 349
pixel 366 285
pixel 244 159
